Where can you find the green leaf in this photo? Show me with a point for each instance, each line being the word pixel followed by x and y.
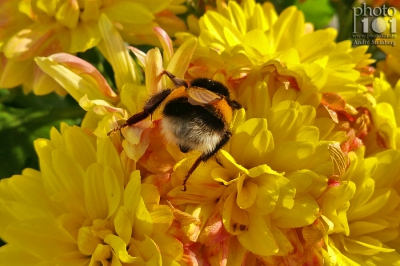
pixel 24 118
pixel 318 12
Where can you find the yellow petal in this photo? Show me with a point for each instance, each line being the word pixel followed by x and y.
pixel 127 11
pixel 120 249
pixel 123 226
pixel 154 68
pixel 43 237
pixel 258 237
pixel 15 256
pixel 114 49
pixel 304 212
pixel 236 220
pixel 102 191
pixel 182 57
pixel 84 36
pixel 68 14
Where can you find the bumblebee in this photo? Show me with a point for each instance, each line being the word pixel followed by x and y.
pixel 195 116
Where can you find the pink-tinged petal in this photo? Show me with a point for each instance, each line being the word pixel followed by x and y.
pixel 137 140
pixel 214 231
pixel 84 36
pixel 84 68
pixel 114 49
pixel 79 81
pixel 153 71
pixel 13 72
pixel 43 237
pixel 12 255
pixel 157 159
pixel 166 44
pixel 180 60
pixel 68 13
pixel 44 84
pixel 258 237
pixel 140 55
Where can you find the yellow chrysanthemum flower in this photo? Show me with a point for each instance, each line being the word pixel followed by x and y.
pixel 288 188
pixel 42 28
pixel 86 206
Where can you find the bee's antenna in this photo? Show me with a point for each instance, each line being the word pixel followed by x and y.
pixel 191 170
pixel 177 81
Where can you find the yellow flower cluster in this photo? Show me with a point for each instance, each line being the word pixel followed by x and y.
pixel 310 175
pixel 44 27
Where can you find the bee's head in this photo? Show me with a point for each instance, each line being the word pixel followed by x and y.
pixel 217 87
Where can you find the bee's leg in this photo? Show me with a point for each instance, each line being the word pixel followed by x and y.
pixel 205 156
pixel 177 82
pixel 149 107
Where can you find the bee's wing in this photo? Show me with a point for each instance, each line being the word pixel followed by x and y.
pixel 200 96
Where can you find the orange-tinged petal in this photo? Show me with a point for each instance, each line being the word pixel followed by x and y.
pixel 166 43
pixel 13 72
pixel 237 253
pixel 154 68
pixel 161 216
pixel 169 246
pixel 258 237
